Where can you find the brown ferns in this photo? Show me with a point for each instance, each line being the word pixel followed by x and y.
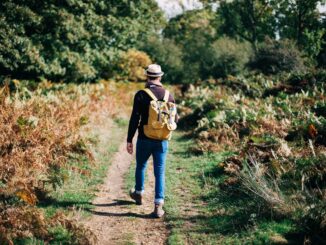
pixel 38 130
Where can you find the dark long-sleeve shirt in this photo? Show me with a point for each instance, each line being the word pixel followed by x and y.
pixel 139 115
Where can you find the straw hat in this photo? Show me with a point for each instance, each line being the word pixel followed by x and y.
pixel 154 70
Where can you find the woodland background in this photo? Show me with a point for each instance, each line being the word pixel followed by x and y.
pixel 249 76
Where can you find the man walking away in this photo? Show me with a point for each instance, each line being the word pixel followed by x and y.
pixel 153 102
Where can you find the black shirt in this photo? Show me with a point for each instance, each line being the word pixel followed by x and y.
pixel 139 115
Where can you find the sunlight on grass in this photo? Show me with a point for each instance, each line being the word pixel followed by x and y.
pixel 199 212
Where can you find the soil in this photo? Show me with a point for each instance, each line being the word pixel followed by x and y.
pixel 116 219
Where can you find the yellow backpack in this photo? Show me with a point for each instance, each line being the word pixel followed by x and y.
pixel 161 117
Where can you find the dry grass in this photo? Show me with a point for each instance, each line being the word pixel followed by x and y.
pixel 39 129
pixel 263 187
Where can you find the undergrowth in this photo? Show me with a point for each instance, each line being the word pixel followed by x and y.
pixel 276 128
pixel 45 148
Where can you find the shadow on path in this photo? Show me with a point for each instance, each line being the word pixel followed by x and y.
pixel 115 203
pixel 118 202
pixel 128 214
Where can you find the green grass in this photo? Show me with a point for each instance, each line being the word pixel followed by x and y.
pixel 200 212
pixel 130 177
pixel 79 189
pixel 121 122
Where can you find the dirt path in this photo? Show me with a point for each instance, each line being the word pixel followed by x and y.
pixel 116 219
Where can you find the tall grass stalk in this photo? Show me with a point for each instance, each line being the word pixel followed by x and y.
pixel 263 187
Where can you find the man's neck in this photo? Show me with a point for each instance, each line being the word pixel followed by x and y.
pixel 156 82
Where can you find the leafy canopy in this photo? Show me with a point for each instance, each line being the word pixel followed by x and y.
pixel 71 40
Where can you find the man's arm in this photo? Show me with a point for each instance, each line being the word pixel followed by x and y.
pixel 133 122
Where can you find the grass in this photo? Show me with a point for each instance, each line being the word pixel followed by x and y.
pixel 200 212
pixel 130 177
pixel 79 189
pixel 76 194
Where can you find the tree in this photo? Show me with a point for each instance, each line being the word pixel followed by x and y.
pixel 183 27
pixel 321 58
pixel 225 57
pixel 193 31
pixel 276 56
pixel 295 16
pixel 169 55
pixel 72 40
pixel 300 20
pixel 251 20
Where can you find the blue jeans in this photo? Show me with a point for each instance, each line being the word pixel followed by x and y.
pixel 158 149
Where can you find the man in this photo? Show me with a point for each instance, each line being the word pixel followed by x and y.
pixel 145 146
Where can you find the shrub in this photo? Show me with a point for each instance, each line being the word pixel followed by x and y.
pixel 262 187
pixel 193 31
pixel 320 108
pixel 312 220
pixel 41 131
pixel 132 65
pixel 166 53
pixel 225 57
pixel 273 57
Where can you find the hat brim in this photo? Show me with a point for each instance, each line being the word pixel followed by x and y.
pixel 150 74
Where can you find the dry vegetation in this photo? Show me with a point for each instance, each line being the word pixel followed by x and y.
pixel 40 129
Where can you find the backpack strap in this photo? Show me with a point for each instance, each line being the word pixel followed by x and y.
pixel 150 93
pixel 166 96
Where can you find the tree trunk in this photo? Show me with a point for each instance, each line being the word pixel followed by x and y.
pixel 253 26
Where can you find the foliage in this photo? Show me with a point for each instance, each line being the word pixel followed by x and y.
pixel 199 34
pixel 301 21
pixel 184 28
pixel 273 57
pixel 263 187
pixel 313 221
pixel 165 52
pixel 132 65
pixel 41 129
pixel 193 32
pixel 312 42
pixel 321 58
pixel 71 40
pixel 278 138
pixel 298 20
pixel 251 20
pixel 225 57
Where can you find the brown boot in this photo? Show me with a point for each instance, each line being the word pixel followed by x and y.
pixel 158 211
pixel 137 197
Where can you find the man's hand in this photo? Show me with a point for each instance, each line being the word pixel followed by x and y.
pixel 130 148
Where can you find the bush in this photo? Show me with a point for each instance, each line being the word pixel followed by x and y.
pixel 42 135
pixel 166 53
pixel 132 65
pixel 265 189
pixel 225 57
pixel 313 220
pixel 273 57
pixel 193 32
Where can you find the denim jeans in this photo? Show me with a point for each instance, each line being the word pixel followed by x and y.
pixel 158 149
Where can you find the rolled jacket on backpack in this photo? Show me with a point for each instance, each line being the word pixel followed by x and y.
pixel 159 117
